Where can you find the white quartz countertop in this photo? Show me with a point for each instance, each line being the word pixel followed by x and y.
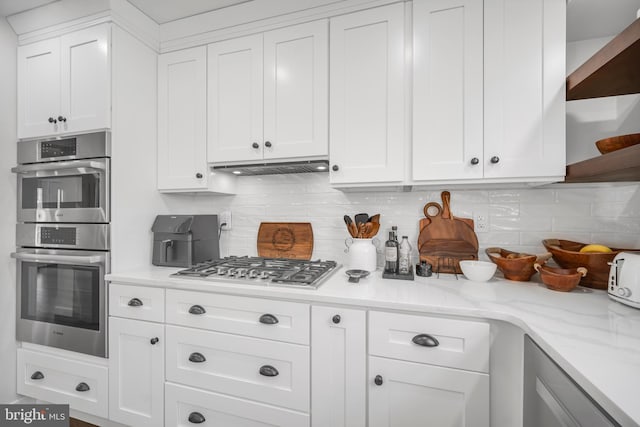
pixel 593 338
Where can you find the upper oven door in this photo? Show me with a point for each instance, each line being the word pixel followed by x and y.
pixel 72 191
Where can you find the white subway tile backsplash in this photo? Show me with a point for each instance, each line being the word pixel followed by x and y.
pixel 519 219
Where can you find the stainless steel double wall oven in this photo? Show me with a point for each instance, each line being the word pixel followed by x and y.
pixel 63 241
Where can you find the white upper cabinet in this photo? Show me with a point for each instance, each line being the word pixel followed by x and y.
pixel 524 99
pixel 235 100
pixel 182 126
pixel 267 95
pixel 64 84
pixel 367 96
pixel 447 89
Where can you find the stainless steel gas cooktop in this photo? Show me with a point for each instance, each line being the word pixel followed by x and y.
pixel 293 273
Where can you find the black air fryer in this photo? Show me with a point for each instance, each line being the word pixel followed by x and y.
pixel 184 240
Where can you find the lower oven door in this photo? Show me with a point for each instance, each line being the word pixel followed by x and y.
pixel 61 299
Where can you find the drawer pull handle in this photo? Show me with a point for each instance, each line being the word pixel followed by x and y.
pixel 197 358
pixel 197 309
pixel 268 319
pixel 378 380
pixel 425 340
pixel 196 418
pixel 154 340
pixel 37 375
pixel 134 302
pixel 268 371
pixel 336 319
pixel 83 387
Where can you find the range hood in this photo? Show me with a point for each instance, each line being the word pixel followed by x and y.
pixel 276 168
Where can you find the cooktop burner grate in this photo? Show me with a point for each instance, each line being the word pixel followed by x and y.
pixel 262 271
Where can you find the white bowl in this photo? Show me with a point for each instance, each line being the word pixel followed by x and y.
pixel 478 271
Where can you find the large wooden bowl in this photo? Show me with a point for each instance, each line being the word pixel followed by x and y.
pixel 567 255
pixel 560 279
pixel 614 143
pixel 514 265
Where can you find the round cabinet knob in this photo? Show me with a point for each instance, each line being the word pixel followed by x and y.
pixel 335 168
pixel 154 341
pixel 495 159
pixel 624 292
pixel 378 380
pixel 475 161
pixel 199 175
pixel 52 120
pixel 268 144
pixel 196 418
pixel 255 145
pixel 336 319
pixel 62 119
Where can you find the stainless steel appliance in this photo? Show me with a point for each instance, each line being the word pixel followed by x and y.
pixel 263 271
pixel 61 295
pixel 184 240
pixel 624 279
pixel 64 180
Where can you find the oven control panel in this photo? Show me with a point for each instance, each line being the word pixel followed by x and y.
pixel 58 236
pixel 58 148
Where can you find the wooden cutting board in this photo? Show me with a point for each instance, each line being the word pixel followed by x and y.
pixel 293 240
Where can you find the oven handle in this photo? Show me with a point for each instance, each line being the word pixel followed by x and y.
pixel 75 259
pixel 75 164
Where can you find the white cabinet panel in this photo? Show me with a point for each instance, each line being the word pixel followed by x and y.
pixel 524 88
pixel 447 89
pixel 81 385
pixel 213 409
pixel 235 100
pixel 136 302
pixel 136 372
pixel 338 371
pixel 266 371
pixel 86 79
pixel 182 126
pixel 367 96
pixel 408 394
pixel 296 91
pixel 38 88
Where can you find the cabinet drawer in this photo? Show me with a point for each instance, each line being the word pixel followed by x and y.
pixel 61 380
pixel 453 343
pixel 266 371
pixel 275 320
pixel 213 409
pixel 136 302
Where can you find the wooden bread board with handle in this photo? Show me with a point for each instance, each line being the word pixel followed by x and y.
pixel 292 240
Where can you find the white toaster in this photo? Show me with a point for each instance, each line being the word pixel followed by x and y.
pixel 624 279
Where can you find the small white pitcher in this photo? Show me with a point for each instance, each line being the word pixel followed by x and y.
pixel 362 253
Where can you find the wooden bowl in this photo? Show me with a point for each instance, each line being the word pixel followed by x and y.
pixel 560 279
pixel 514 265
pixel 567 255
pixel 614 143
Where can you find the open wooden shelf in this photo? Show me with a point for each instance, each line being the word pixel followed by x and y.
pixel 613 70
pixel 618 166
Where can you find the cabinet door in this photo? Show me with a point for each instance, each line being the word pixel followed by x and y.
pixel 447 89
pixel 367 96
pixel 296 91
pixel 86 79
pixel 38 88
pixel 524 88
pixel 235 100
pixel 182 126
pixel 136 372
pixel 409 394
pixel 338 369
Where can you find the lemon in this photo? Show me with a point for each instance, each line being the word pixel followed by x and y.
pixel 595 249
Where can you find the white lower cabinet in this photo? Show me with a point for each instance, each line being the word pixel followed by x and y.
pixel 57 379
pixel 410 394
pixel 186 406
pixel 339 367
pixel 136 372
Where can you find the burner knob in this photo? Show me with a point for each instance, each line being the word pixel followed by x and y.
pixel 253 274
pixel 241 272
pixel 264 275
pixel 624 292
pixel 221 271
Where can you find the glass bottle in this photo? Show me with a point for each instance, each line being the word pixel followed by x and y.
pixel 404 256
pixel 391 254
